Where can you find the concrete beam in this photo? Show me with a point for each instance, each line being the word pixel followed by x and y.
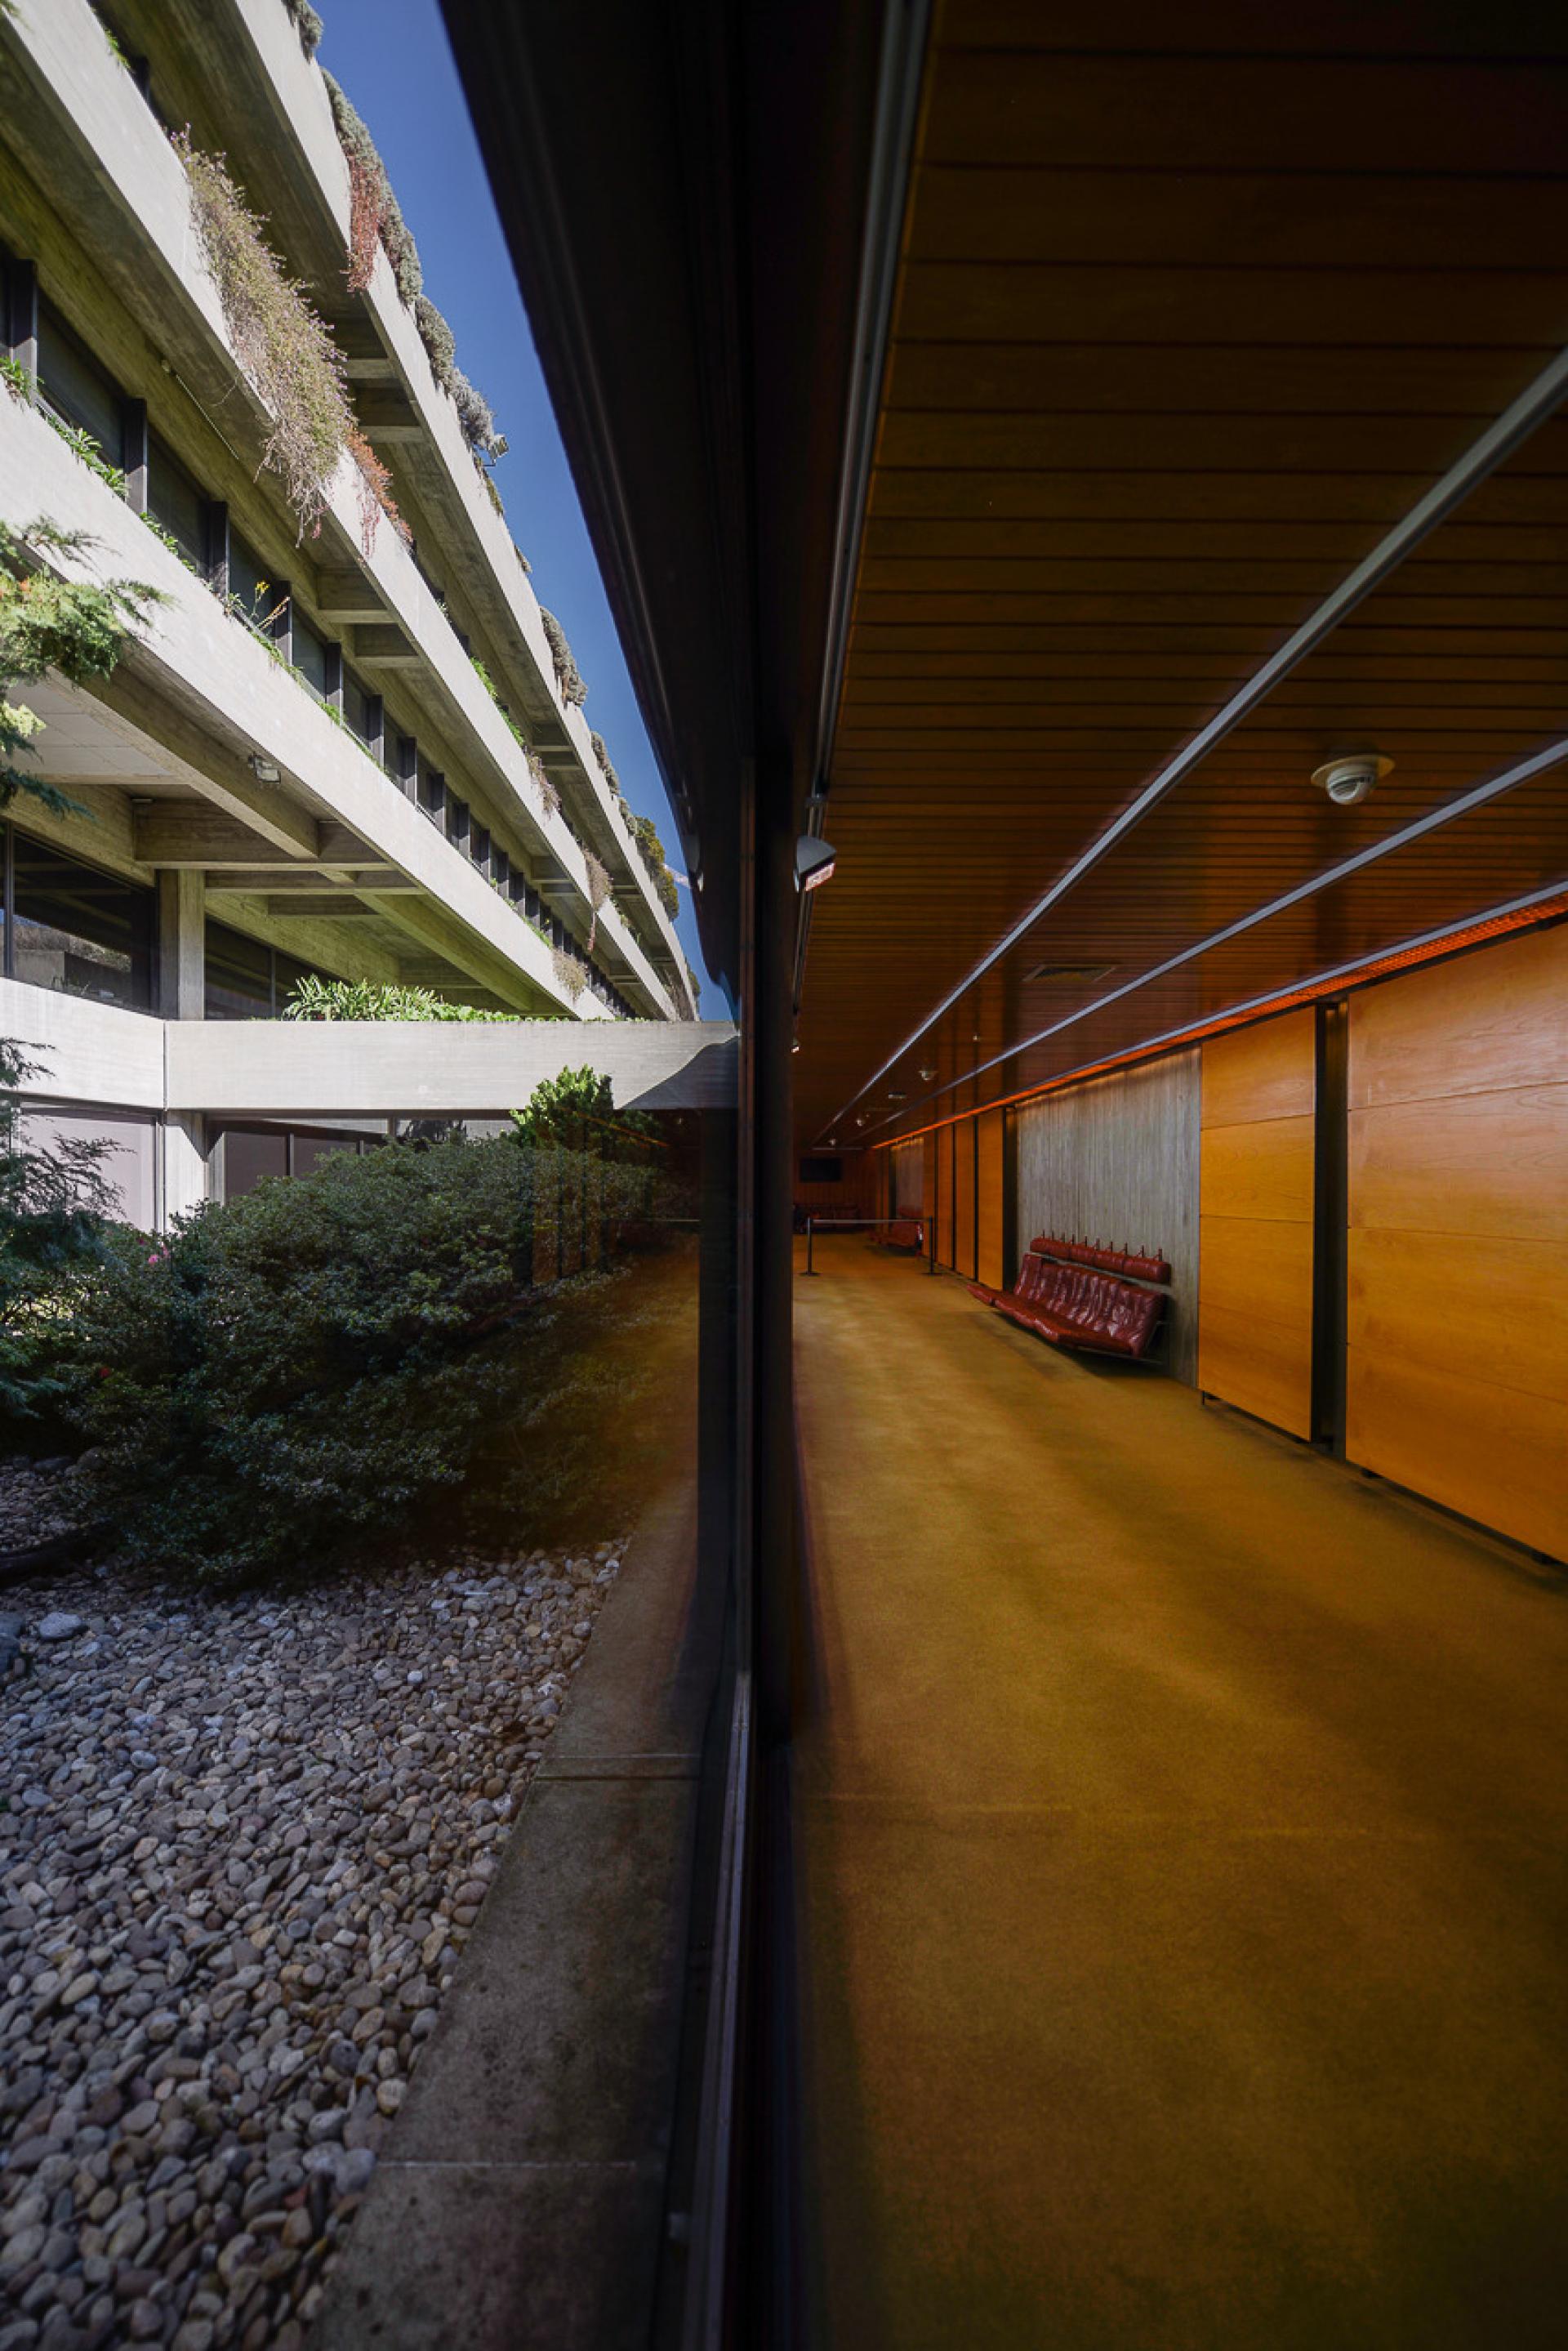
pixel 350 596
pixel 387 1069
pixel 307 881
pixel 387 414
pixel 194 833
pixel 388 648
pixel 302 905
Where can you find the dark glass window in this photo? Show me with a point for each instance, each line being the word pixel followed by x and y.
pixel 821 1170
pixel 238 975
pixel 361 708
pixel 248 1157
pixel 432 789
pixel 80 930
pixel 456 822
pixel 76 387
pixel 174 498
pixel 501 869
pixel 479 846
pixel 287 973
pixel 252 592
pixel 310 652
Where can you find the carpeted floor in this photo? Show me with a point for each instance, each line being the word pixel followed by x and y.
pixel 1186 1889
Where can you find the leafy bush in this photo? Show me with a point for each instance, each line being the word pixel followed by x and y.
pixel 296 1371
pixel 76 628
pixel 376 999
pixel 55 1207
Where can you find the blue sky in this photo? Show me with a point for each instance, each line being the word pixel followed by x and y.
pixel 391 56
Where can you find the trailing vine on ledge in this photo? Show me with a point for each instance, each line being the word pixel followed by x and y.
pixel 571 973
pixel 598 882
pixel 287 353
pixel 568 677
pixel 76 628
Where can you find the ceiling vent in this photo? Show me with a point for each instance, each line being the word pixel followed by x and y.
pixel 1070 974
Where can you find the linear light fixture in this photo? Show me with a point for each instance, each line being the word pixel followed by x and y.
pixel 1502 437
pixel 1513 915
pixel 1479 796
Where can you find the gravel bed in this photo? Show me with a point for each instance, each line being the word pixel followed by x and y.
pixel 36 1500
pixel 242 1843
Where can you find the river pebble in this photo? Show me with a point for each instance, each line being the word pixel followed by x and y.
pixel 245 1840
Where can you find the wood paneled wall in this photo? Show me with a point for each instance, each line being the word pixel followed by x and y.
pixel 991 1150
pixel 945 1195
pixel 964 1199
pixel 1116 1161
pixel 1257 1187
pixel 1457 1367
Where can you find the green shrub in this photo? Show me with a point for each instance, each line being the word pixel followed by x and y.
pixel 376 999
pixel 78 629
pixel 55 1207
pixel 293 1373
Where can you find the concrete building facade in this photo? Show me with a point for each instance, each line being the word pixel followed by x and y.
pixel 344 743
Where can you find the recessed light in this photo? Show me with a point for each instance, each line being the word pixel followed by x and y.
pixel 1065 975
pixel 928 1074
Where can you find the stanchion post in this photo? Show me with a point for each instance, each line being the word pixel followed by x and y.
pixel 810 1228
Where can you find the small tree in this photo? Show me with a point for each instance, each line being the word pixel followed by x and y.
pixel 55 1208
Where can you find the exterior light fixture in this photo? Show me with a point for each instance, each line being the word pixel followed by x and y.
pixel 264 770
pixel 1348 781
pixel 795 1047
pixel 928 1074
pixel 814 862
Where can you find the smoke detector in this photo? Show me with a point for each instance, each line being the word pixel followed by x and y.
pixel 1347 782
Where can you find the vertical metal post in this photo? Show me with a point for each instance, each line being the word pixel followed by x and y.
pixel 810 1229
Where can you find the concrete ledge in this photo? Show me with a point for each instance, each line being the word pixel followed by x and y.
pixel 518 2206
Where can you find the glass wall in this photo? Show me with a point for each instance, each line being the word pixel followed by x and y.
pixel 76 387
pixel 175 500
pixel 246 979
pixel 75 928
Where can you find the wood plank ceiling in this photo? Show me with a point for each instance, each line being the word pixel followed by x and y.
pixel 1186 322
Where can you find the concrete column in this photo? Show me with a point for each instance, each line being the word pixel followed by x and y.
pixel 182 951
pixel 184 1142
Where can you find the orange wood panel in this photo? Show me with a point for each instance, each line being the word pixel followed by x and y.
pixel 1259 1366
pixel 928 1182
pixel 990 1267
pixel 964 1198
pixel 1252 1265
pixel 945 1195
pixel 1262 1072
pixel 1504 1307
pixel 1486 1020
pixel 1457 1363
pixel 1476 1164
pixel 1259 1171
pixel 1493 1453
pixel 1256 1194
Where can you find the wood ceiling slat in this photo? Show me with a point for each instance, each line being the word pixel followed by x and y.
pixel 1014 443
pixel 1517 29
pixel 1290 378
pixel 1414 114
pixel 1381 498
pixel 1264 219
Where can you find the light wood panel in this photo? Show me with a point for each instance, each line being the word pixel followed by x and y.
pixel 964 1199
pixel 1257 1191
pixel 991 1267
pixel 945 1196
pixel 1483 1021
pixel 906 1180
pixel 1117 1161
pixel 1456 1361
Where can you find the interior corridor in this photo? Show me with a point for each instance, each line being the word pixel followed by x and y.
pixel 1185 1886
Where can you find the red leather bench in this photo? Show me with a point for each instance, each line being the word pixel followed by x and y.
pixel 908 1233
pixel 1079 1307
pixel 1140 1268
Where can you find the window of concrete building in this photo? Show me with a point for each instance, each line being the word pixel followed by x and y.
pixel 431 790
pixel 129 1160
pixel 249 1154
pixel 239 977
pixel 361 711
pixel 248 979
pixel 75 928
pixel 254 594
pixel 76 387
pixel 176 499
pixel 312 656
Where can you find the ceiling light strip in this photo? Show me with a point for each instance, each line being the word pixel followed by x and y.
pixel 1481 796
pixel 1501 438
pixel 1514 913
